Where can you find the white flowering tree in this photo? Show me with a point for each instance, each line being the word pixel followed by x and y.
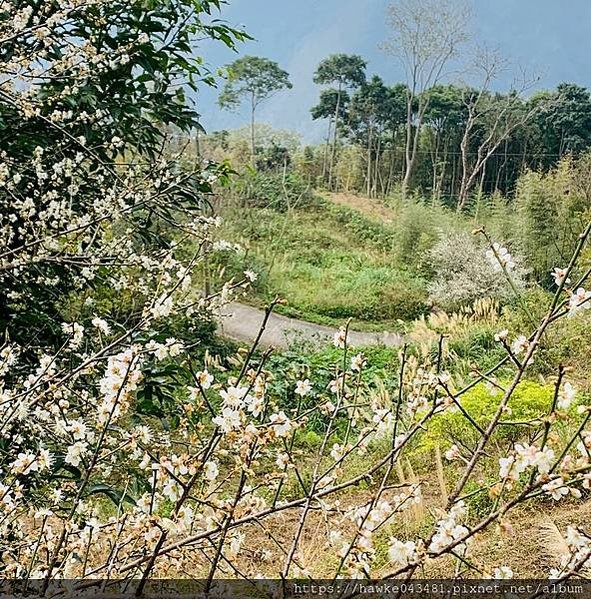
pixel 101 478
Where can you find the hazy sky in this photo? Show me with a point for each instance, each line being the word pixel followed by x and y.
pixel 551 36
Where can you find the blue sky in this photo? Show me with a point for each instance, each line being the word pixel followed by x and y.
pixel 552 37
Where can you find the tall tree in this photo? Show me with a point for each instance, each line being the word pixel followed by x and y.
pixel 346 71
pixel 370 116
pixel 444 119
pixel 426 37
pixel 332 106
pixel 563 125
pixel 255 79
pixel 497 116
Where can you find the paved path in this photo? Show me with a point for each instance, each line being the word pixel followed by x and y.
pixel 242 323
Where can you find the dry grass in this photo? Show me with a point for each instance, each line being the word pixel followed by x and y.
pixel 373 209
pixel 529 551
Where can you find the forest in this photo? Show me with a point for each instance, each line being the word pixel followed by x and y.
pixel 447 141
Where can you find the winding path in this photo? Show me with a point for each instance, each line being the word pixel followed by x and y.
pixel 242 323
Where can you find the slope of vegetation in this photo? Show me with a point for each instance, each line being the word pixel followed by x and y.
pixel 328 263
pixel 136 446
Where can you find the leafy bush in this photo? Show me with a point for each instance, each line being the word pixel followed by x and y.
pixel 552 210
pixel 476 345
pixel 418 226
pixel 278 191
pixel 529 401
pixel 463 274
pixel 563 346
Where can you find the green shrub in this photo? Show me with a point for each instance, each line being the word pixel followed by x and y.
pixel 552 211
pixel 563 343
pixel 529 401
pixel 566 343
pixel 476 345
pixel 418 227
pixel 277 191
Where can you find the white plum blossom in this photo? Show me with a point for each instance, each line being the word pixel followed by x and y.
pixel 402 553
pixel 579 300
pixel 101 325
pixel 163 306
pixel 448 530
pixel 76 452
pixel 453 453
pixel 235 397
pixel 357 362
pixel 172 490
pixel 500 258
pixel 509 468
pixel 584 446
pixel 211 470
pixel 543 460
pixel 204 378
pixel 77 333
pixel 121 378
pixel 559 276
pixel 566 396
pixel 384 420
pixel 336 452
pixel 340 338
pixel 520 345
pixel 44 459
pixel 228 420
pixel 280 424
pixel 225 246
pixel 557 489
pixel 282 460
pixel 250 275
pixel 161 351
pixel 77 429
pixel 303 388
pixel 526 456
pixel 25 463
pixel 143 433
pixel 503 573
pixel 255 404
pixel 501 335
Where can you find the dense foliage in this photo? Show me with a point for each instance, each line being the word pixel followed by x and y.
pixel 134 445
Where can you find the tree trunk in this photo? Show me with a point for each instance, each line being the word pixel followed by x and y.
pixel 336 133
pixel 252 133
pixel 434 163
pixel 326 152
pixel 391 167
pixel 368 175
pixel 464 147
pixel 377 165
pixel 408 149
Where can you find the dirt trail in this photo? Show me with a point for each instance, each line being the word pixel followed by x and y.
pixel 371 208
pixel 242 323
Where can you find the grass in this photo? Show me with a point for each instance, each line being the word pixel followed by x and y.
pixel 328 262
